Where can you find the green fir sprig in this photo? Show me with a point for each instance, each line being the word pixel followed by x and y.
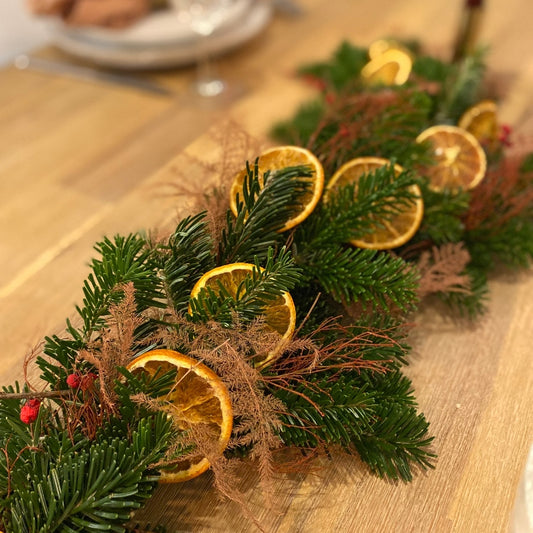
pixel 54 480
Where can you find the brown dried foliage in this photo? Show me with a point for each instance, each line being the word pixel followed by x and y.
pixel 84 413
pixel 236 146
pixel 113 348
pixel 29 359
pixel 358 117
pixel 231 353
pixel 306 356
pixel 504 193
pixel 442 270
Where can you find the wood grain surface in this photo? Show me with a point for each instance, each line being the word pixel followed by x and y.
pixel 80 160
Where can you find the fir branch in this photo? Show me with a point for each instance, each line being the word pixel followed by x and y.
pixel 253 294
pixel 269 200
pixel 367 276
pixel 187 256
pixel 303 125
pixel 328 393
pixel 380 422
pixel 60 360
pixel 352 274
pixel 123 260
pixel 392 386
pixel 342 69
pixel 398 440
pixel 385 339
pixel 461 88
pixel 62 480
pixel 96 488
pixel 321 413
pixel 312 305
pixel 432 69
pixel 510 245
pixel 442 221
pixel 352 211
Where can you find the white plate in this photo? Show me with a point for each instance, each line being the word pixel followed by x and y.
pixel 162 27
pixel 153 53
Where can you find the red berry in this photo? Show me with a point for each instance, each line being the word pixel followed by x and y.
pixel 505 135
pixel 73 381
pixel 87 381
pixel 315 81
pixel 344 131
pixel 29 411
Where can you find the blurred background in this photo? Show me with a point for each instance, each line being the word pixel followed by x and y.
pixel 19 32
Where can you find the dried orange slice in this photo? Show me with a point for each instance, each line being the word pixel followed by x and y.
pixel 460 160
pixel 392 67
pixel 198 397
pixel 279 158
pixel 280 314
pixel 381 46
pixel 482 122
pixel 387 233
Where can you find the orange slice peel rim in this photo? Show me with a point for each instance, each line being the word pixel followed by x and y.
pixel 461 162
pixel 277 158
pixel 190 370
pixel 389 237
pixel 381 70
pixel 287 305
pixel 481 120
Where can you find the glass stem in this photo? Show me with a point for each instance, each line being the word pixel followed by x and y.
pixel 207 81
pixel 204 67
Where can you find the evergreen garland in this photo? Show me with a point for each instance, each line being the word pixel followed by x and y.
pixel 440 93
pixel 87 456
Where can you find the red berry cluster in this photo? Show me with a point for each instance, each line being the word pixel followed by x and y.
pixel 82 382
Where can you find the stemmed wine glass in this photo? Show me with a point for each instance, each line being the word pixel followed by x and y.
pixel 204 17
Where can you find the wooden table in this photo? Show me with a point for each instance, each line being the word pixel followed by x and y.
pixel 81 160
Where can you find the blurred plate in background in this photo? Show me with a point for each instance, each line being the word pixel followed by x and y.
pixel 160 40
pixel 162 27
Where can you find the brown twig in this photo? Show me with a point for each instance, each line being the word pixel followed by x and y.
pixel 39 395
